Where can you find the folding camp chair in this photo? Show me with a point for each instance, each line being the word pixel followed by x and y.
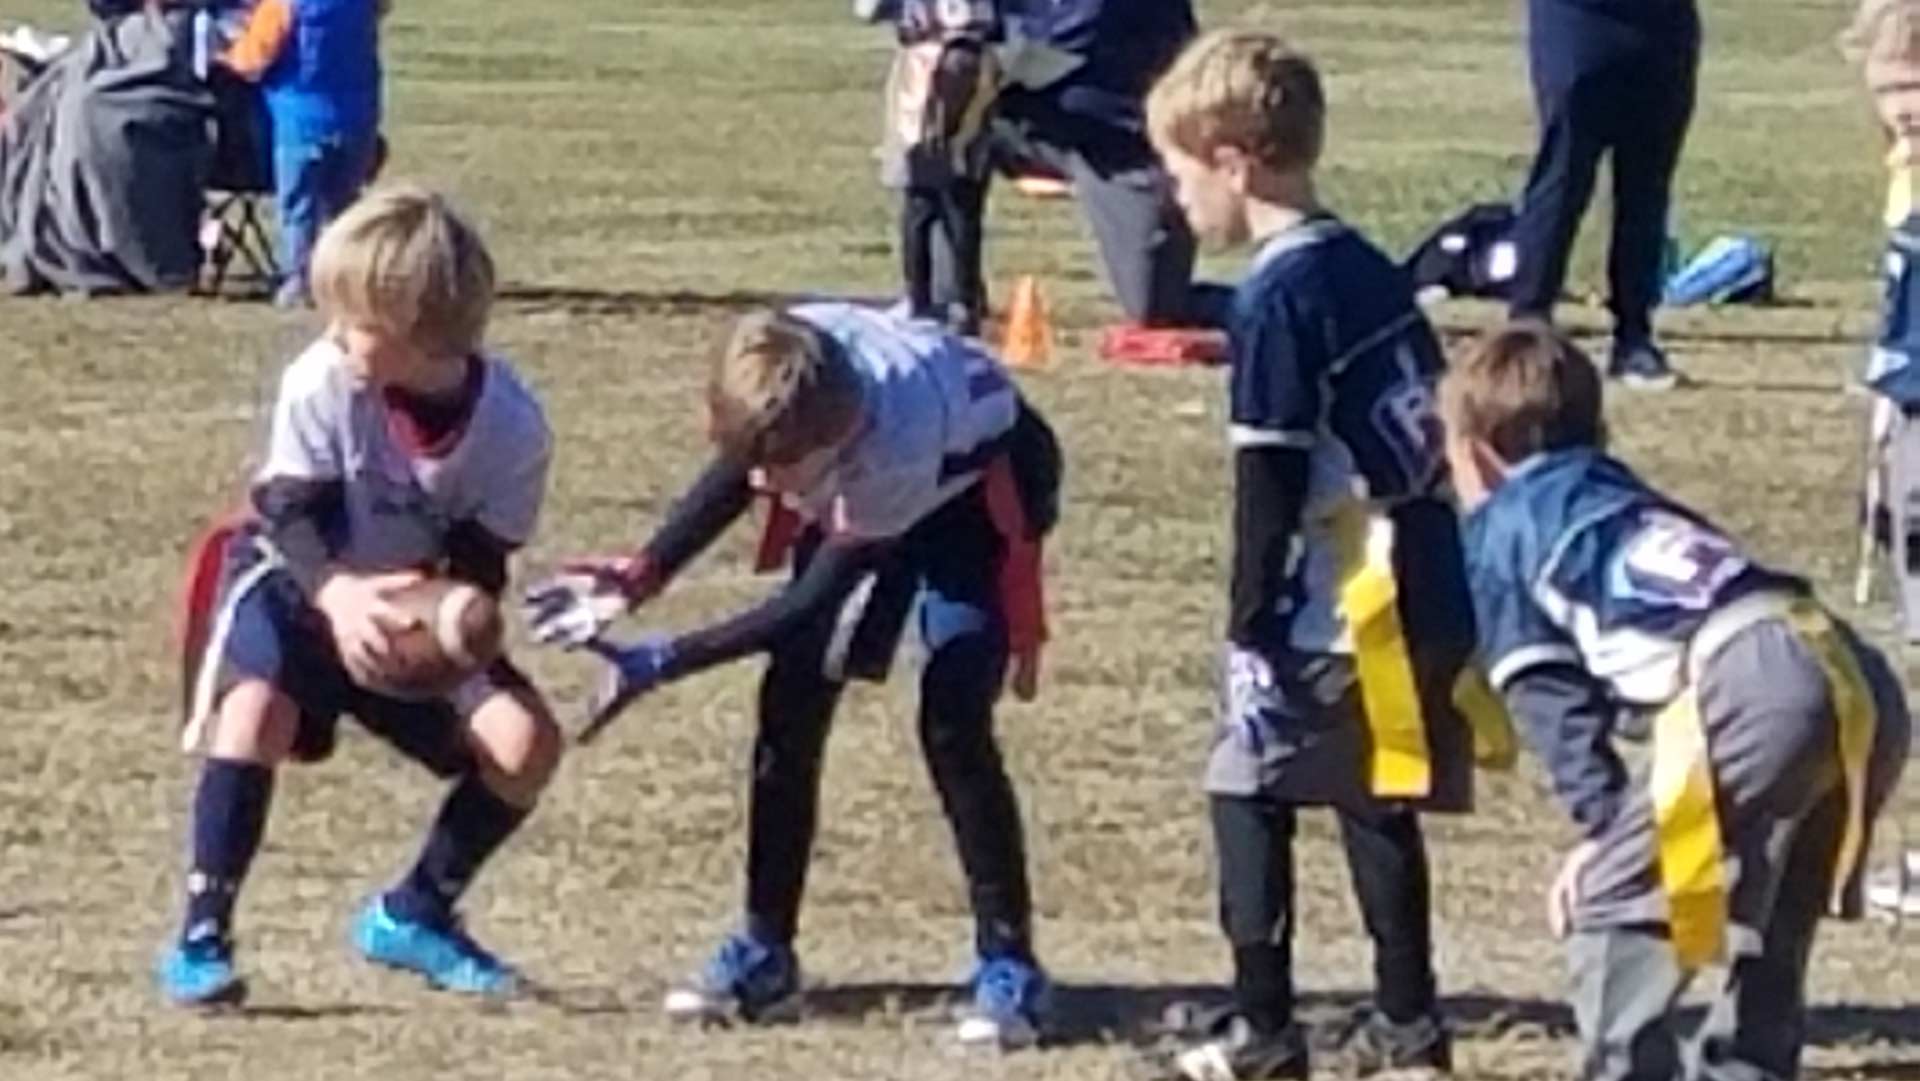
pixel 233 229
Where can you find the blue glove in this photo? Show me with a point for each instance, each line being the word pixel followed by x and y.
pixel 632 671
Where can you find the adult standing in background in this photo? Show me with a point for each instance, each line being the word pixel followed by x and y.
pixel 1610 77
pixel 1088 124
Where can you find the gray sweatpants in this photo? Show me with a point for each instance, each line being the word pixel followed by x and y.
pixel 1145 245
pixel 1772 739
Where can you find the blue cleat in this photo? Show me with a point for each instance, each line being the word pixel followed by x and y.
pixel 1010 998
pixel 440 951
pixel 746 979
pixel 199 972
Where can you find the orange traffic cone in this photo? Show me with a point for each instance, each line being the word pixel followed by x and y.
pixel 1028 342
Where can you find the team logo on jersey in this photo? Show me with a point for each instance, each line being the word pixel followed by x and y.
pixel 1673 560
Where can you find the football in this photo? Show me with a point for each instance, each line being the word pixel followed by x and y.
pixel 456 632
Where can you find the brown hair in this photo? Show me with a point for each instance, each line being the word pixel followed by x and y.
pixel 779 391
pixel 403 260
pixel 1524 388
pixel 1244 89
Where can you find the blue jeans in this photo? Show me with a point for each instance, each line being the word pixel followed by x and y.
pixel 313 181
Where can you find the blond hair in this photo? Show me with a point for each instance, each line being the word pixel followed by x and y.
pixel 1522 389
pixel 1244 89
pixel 1884 33
pixel 402 260
pixel 780 390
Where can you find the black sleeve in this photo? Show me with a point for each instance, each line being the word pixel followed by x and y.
pixel 475 555
pixel 698 518
pixel 1568 721
pixel 831 575
pixel 1269 490
pixel 299 516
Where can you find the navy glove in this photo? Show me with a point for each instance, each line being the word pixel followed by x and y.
pixel 632 671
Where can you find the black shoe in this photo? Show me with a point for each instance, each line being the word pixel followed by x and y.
pixel 1642 366
pixel 1235 1052
pixel 1378 1044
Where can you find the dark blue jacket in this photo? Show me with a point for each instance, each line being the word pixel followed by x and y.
pixel 1126 45
pixel 1568 38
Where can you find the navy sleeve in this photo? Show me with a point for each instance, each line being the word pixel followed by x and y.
pixel 831 575
pixel 1515 633
pixel 1567 720
pixel 476 555
pixel 715 502
pixel 299 515
pixel 1278 359
pixel 1269 490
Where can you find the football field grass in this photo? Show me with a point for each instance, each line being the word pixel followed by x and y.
pixel 645 171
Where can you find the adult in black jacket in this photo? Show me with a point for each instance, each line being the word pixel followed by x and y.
pixel 1609 77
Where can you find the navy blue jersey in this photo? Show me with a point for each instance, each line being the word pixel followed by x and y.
pixel 1574 560
pixel 1331 356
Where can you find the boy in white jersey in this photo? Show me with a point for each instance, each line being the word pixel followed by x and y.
pixel 397 449
pixel 920 473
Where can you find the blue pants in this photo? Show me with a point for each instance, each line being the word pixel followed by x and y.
pixel 951 559
pixel 1635 106
pixel 312 183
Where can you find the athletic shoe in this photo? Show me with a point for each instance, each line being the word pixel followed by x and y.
pixel 1010 998
pixel 1235 1052
pixel 746 979
pixel 1895 893
pixel 1642 367
pixel 441 951
pixel 199 972
pixel 1416 1048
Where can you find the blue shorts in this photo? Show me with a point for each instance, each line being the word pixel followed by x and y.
pixel 1894 368
pixel 273 633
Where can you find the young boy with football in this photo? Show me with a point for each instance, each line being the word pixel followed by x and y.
pixel 399 449
pixel 920 475
pixel 1777 735
pixel 1335 693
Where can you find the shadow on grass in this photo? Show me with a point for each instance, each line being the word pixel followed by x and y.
pixel 1101 1013
pixel 288 1011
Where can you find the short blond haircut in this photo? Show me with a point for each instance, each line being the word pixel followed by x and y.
pixel 404 261
pixel 1522 389
pixel 1884 39
pixel 780 390
pixel 1244 89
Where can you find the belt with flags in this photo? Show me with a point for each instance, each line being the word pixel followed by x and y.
pixel 1691 854
pixel 1400 764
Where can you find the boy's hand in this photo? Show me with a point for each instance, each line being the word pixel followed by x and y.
pixel 577 605
pixel 632 671
pixel 363 619
pixel 1564 894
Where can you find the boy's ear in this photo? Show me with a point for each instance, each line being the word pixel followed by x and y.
pixel 1232 163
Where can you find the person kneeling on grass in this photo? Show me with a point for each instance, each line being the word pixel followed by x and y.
pixel 921 475
pixel 396 444
pixel 1777 734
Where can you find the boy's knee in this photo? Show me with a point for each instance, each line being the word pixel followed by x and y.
pixel 257 723
pixel 517 743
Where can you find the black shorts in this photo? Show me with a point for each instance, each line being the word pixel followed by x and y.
pixel 266 629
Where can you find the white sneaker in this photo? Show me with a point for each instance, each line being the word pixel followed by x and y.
pixel 1895 893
